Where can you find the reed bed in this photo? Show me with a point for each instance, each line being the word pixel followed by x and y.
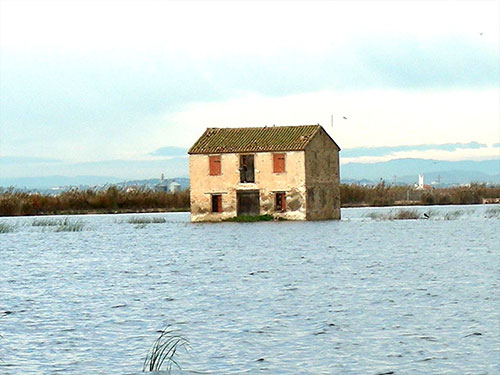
pixel 7 228
pixel 46 222
pixel 111 200
pixel 163 351
pixel 453 215
pixel 493 212
pixel 60 224
pixel 410 214
pixel 70 226
pixel 115 199
pixel 385 195
pixel 413 214
pixel 146 220
pixel 403 214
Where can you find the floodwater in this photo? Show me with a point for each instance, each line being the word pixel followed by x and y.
pixel 357 296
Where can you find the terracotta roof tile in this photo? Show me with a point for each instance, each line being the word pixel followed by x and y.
pixel 265 139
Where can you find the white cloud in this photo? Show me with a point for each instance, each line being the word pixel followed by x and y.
pixel 219 28
pixel 107 33
pixel 486 153
pixel 374 118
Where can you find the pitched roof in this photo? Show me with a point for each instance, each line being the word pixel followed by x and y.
pixel 264 139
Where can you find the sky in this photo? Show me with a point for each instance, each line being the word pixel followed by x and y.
pixel 106 87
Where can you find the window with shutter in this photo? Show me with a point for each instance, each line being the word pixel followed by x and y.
pixel 279 163
pixel 214 165
pixel 280 201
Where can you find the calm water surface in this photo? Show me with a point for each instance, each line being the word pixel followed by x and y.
pixel 357 296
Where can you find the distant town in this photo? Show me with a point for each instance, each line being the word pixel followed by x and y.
pixel 419 181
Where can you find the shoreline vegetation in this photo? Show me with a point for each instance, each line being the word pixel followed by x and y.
pixel 115 200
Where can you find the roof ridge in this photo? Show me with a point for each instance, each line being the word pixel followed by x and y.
pixel 266 126
pixel 312 136
pixel 255 139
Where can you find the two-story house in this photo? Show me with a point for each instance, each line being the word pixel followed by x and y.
pixel 284 171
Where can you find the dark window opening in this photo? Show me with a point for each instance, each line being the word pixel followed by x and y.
pixel 247 173
pixel 280 201
pixel 214 165
pixel 216 203
pixel 279 163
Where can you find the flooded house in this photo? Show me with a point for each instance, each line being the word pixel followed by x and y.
pixel 289 172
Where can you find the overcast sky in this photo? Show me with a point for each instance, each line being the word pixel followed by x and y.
pixel 117 80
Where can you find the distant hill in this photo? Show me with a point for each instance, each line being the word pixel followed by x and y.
pixel 154 182
pixel 49 182
pixel 60 183
pixel 402 171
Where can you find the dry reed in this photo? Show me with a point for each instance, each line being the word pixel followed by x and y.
pixel 163 351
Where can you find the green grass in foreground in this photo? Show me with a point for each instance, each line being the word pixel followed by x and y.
pixel 248 218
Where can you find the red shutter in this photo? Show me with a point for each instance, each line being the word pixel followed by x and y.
pixel 219 203
pixel 214 165
pixel 280 201
pixel 279 163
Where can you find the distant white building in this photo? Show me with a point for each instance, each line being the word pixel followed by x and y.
pixel 420 181
pixel 421 185
pixel 162 186
pixel 174 187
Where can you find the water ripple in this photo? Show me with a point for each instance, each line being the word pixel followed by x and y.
pixel 359 296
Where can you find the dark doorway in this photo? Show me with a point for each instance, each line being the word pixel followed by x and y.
pixel 247 173
pixel 248 202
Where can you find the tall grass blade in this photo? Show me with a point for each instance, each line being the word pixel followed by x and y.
pixel 163 351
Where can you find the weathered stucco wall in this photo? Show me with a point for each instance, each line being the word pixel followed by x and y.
pixel 322 178
pixel 292 182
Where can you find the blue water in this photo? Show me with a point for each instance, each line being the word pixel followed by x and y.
pixel 358 296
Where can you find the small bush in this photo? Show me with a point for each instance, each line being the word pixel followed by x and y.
pixel 248 218
pixel 70 226
pixel 492 212
pixel 146 220
pixel 6 228
pixel 47 222
pixel 411 214
pixel 404 214
pixel 452 215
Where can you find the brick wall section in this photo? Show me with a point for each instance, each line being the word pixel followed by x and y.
pixel 322 178
pixel 266 181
